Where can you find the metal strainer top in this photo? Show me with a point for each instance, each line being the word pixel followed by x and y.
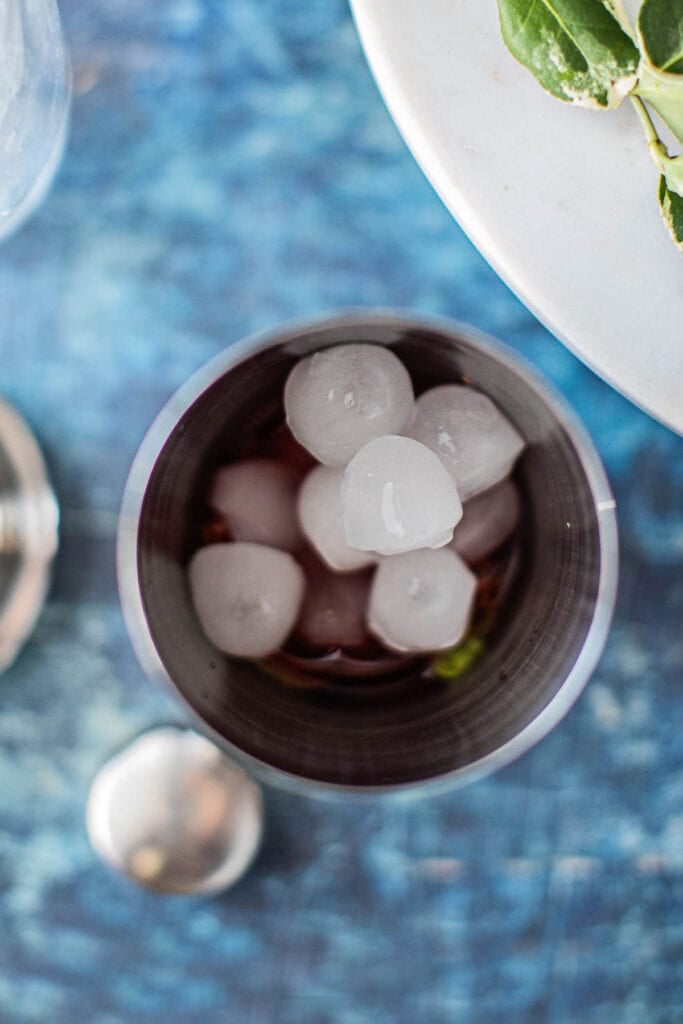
pixel 28 532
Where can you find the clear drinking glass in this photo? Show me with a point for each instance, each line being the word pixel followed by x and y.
pixel 35 92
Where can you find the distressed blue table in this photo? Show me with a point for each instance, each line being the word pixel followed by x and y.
pixel 232 165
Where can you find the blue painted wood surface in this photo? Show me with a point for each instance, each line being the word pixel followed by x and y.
pixel 232 165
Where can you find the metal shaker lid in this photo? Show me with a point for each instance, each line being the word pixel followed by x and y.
pixel 28 532
pixel 174 814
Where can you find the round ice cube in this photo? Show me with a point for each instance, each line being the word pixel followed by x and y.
pixel 421 601
pixel 397 496
pixel 247 596
pixel 320 515
pixel 257 499
pixel 334 609
pixel 487 521
pixel 473 439
pixel 338 399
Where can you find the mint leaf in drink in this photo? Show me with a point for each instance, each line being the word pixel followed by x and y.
pixel 660 27
pixel 671 205
pixel 454 663
pixel 577 49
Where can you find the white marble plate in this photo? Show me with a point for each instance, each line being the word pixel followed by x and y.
pixel 561 201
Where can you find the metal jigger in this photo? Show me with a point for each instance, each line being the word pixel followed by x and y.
pixel 28 533
pixel 174 814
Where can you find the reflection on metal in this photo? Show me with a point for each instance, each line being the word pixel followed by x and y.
pixel 28 533
pixel 174 814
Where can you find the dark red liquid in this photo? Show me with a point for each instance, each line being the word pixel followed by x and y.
pixel 361 661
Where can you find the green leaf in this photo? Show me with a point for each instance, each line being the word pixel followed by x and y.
pixel 664 92
pixel 617 9
pixel 671 205
pixel 660 27
pixel 577 49
pixel 671 168
pixel 454 663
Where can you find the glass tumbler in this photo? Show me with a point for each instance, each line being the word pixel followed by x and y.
pixel 35 92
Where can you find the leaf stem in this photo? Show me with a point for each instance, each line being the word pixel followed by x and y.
pixel 659 154
pixel 646 121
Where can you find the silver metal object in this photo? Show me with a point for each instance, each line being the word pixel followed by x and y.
pixel 28 532
pixel 537 660
pixel 174 814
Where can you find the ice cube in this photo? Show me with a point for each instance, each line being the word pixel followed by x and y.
pixel 487 521
pixel 421 601
pixel 397 496
pixel 339 398
pixel 320 515
pixel 257 499
pixel 247 596
pixel 473 439
pixel 334 609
